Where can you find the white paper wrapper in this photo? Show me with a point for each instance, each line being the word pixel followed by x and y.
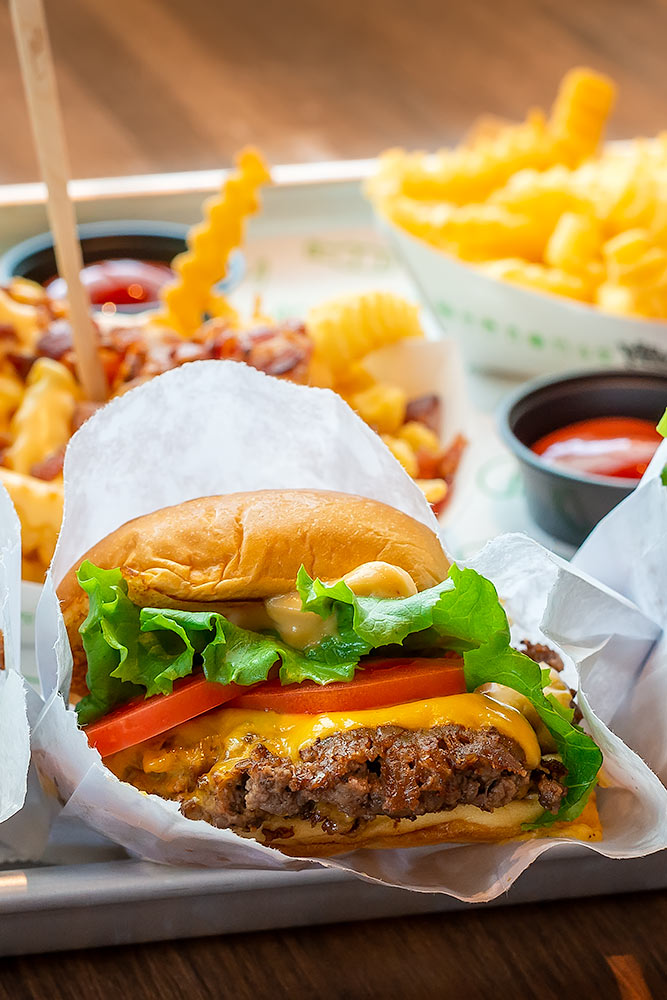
pixel 213 428
pixel 25 812
pixel 14 731
pixel 420 368
pixel 627 551
pixel 14 734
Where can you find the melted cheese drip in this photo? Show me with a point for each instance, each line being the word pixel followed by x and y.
pixel 235 731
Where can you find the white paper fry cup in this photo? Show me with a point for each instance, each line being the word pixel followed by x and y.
pixel 504 328
pixel 213 427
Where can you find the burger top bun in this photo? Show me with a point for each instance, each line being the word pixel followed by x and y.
pixel 247 546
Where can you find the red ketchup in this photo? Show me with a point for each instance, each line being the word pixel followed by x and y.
pixel 122 282
pixel 604 446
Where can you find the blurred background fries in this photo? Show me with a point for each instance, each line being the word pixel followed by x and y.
pixel 542 204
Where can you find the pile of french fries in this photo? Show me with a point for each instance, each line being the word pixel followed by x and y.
pixel 42 402
pixel 542 204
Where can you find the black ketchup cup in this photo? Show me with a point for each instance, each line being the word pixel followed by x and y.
pixel 565 503
pixel 158 242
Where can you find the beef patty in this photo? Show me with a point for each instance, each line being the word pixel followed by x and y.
pixel 363 773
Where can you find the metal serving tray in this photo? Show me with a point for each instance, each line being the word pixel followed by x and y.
pixel 89 892
pixel 314 239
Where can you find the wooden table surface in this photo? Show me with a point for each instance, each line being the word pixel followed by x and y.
pixel 157 85
pixel 613 948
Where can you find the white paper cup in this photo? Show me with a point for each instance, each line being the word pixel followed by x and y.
pixel 504 328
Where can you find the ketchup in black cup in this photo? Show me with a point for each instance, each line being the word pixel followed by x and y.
pixel 118 282
pixel 125 263
pixel 621 447
pixel 583 441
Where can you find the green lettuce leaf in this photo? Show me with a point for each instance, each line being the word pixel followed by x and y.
pixel 496 662
pixel 112 622
pixel 234 655
pixel 458 614
pixel 662 425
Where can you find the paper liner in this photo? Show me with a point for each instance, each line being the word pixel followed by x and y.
pixel 627 551
pixel 212 427
pixel 425 367
pixel 14 734
pixel 25 812
pixel 14 729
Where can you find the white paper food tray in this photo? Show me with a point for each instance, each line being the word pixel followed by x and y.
pixel 504 328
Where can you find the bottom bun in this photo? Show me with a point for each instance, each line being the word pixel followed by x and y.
pixel 464 824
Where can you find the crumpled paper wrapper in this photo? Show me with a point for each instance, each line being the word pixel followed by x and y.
pixel 212 427
pixel 14 732
pixel 627 551
pixel 24 814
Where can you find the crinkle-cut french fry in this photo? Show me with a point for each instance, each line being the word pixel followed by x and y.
pixel 420 438
pixel 649 302
pixel 403 453
pixel 540 278
pixel 633 260
pixel 435 490
pixel 39 505
pixel 344 330
pixel 574 243
pixel 542 196
pixel 11 394
pixel 28 292
pixel 616 299
pixel 320 374
pixel 474 232
pixel 635 202
pixel 567 218
pixel 580 112
pixel 427 220
pixel 483 232
pixel 28 321
pixel 469 173
pixel 382 406
pixel 210 242
pixel 627 248
pixel 43 421
pixel 355 379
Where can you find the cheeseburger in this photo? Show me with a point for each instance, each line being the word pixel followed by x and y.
pixel 307 669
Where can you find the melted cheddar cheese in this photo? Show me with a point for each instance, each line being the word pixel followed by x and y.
pixel 229 735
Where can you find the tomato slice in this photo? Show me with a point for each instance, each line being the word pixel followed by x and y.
pixel 143 718
pixel 380 683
